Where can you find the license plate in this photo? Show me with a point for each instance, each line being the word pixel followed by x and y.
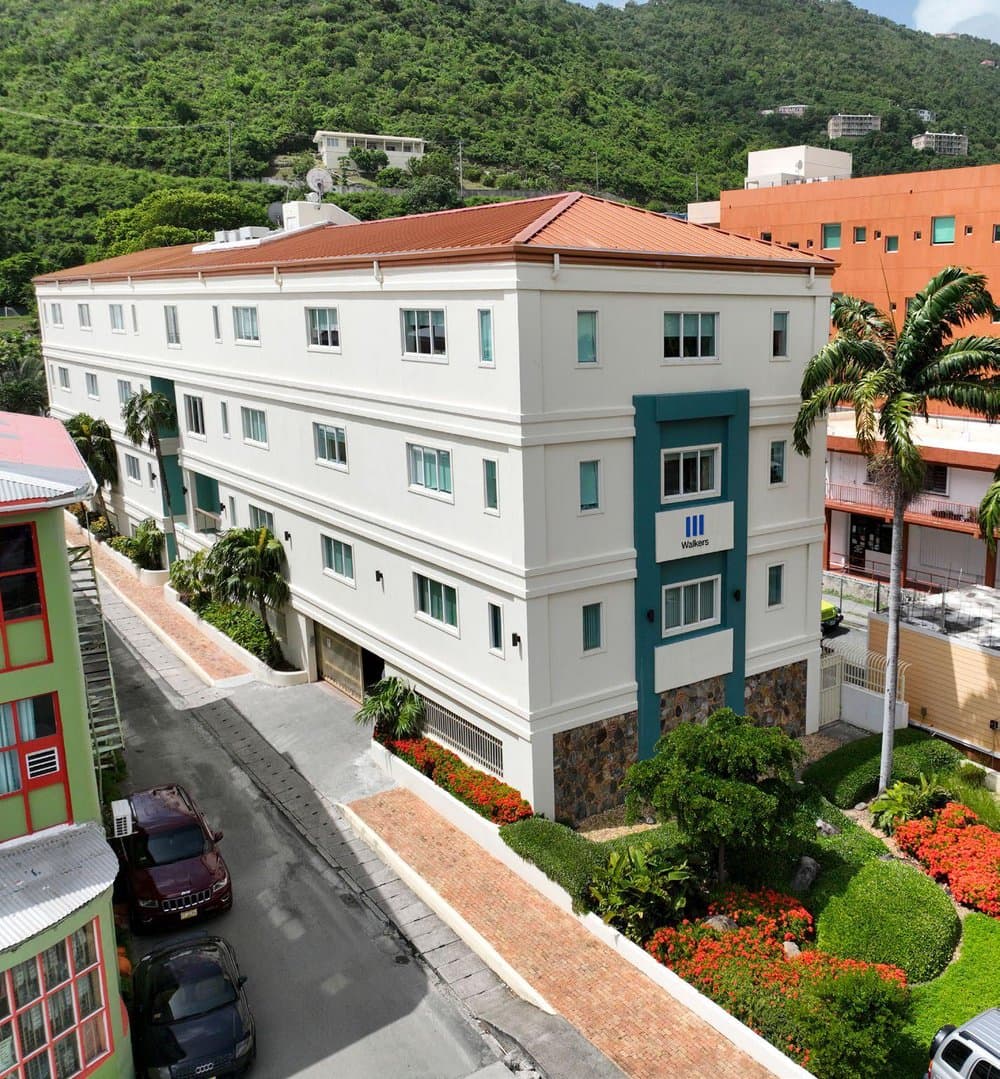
pixel 191 914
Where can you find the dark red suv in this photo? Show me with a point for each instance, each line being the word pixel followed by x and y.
pixel 171 866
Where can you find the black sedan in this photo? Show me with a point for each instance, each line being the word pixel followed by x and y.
pixel 191 1016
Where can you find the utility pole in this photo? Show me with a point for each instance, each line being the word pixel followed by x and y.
pixel 229 124
pixel 461 175
pixel 597 176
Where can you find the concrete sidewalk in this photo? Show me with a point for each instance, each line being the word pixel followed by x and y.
pixel 303 750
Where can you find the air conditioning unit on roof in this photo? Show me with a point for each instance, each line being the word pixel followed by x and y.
pixel 122 821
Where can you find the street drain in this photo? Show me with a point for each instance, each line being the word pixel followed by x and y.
pixel 348 900
pixel 402 960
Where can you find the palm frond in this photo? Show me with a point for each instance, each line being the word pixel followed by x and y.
pixel 989 514
pixel 896 429
pixel 962 358
pixel 978 397
pixel 844 359
pixel 861 320
pixel 823 400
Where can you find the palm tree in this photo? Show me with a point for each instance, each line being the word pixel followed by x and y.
pixel 146 413
pixel 247 566
pixel 97 448
pixel 888 378
pixel 989 514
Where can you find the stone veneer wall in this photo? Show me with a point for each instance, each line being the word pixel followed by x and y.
pixel 777 698
pixel 691 703
pixel 589 765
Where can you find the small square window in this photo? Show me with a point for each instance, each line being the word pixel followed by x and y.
pixel 779 333
pixel 586 337
pixel 495 614
pixel 766 237
pixel 776 473
pixel 860 234
pixel 917 234
pixel 891 244
pixel 996 240
pixel 942 230
pixel 592 628
pixel 831 236
pixel 775 585
pixel 92 388
pixel 968 230
pixel 83 312
pixel 590 486
pixel 491 498
pixel 878 234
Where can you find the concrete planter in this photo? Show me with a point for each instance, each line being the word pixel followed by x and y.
pixel 155 577
pixel 260 670
pixel 487 835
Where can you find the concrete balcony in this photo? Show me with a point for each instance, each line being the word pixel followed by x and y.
pixel 924 509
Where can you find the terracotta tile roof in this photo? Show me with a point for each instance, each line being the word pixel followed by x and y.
pixel 572 224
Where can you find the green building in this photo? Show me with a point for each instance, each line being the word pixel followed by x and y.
pixel 61 1013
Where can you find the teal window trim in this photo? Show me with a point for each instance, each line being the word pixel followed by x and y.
pixel 779 334
pixel 485 320
pixel 491 492
pixel 586 338
pixel 592 626
pixel 590 486
pixel 430 470
pixel 777 454
pixel 494 614
pixel 775 585
pixel 436 601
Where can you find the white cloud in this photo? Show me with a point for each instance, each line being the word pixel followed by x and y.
pixel 942 16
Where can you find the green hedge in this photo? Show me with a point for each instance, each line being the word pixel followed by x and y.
pixel 241 625
pixel 850 774
pixel 892 913
pixel 565 857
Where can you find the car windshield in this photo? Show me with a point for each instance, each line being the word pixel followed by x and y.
pixel 188 985
pixel 162 848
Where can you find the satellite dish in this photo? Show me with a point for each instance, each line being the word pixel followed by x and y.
pixel 319 180
pixel 314 197
pixel 798 164
pixel 274 214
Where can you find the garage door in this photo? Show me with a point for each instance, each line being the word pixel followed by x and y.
pixel 339 661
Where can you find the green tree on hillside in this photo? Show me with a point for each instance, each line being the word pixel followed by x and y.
pixel 888 376
pixel 22 375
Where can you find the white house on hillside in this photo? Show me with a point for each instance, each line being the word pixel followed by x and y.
pixel 333 145
pixel 535 457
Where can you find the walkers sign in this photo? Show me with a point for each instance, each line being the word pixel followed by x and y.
pixel 681 533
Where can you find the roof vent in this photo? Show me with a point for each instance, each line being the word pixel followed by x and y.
pixel 122 821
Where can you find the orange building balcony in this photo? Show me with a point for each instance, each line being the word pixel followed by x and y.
pixel 924 509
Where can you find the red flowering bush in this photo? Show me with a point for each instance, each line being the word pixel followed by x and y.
pixel 835 1016
pixel 953 846
pixel 485 794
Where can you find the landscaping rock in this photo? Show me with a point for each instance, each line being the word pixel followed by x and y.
pixel 807 872
pixel 791 949
pixel 722 923
pixel 826 828
pixel 860 806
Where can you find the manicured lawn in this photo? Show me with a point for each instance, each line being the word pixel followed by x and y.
pixel 14 324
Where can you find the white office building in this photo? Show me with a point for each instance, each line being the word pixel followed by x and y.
pixel 535 457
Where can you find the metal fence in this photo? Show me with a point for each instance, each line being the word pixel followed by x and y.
pixel 466 738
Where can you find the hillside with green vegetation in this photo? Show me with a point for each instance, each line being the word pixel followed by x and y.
pixel 103 101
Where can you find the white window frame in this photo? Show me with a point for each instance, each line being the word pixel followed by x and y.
pixel 83 316
pixel 416 475
pixel 260 518
pixel 55 311
pixel 248 419
pixel 328 545
pixel 172 325
pixel 601 646
pixel 63 373
pixel 954 230
pixel 494 510
pixel 216 324
pixel 780 567
pixel 92 385
pixel 246 325
pixel 775 355
pixel 690 496
pixel 224 418
pixel 701 623
pixel 681 359
pixel 318 346
pixel 321 441
pixel 124 391
pixel 824 246
pixel 771 481
pixel 116 314
pixel 492 361
pixel 194 415
pixel 430 356
pixel 135 319
pixel 152 478
pixel 496 649
pixel 426 615
pixel 232 511
pixel 586 511
pixel 133 468
pixel 587 365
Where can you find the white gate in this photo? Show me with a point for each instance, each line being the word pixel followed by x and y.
pixel 832 677
pixel 865 672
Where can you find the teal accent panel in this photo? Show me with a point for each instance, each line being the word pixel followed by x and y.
pixel 166 387
pixel 206 493
pixel 174 483
pixel 666 421
pixel 171 540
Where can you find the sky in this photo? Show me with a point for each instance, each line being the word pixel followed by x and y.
pixel 978 17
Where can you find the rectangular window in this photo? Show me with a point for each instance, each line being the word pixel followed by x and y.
pixel 216 323
pixel 135 319
pixel 132 468
pixel 194 414
pixel 331 444
pixel 55 310
pixel 831 237
pixel 260 518
pixel 254 425
pixel 690 335
pixel 92 387
pixel 593 637
pixel 64 378
pixel 942 230
pixel 232 511
pixel 436 600
pixel 429 468
pixel 779 333
pixel 777 463
pixel 152 479
pixel 586 337
pixel 996 240
pixel 83 312
pixel 891 244
pixel 936 479
pixel 20 581
pixel 485 338
pixel 172 324
pixel 590 486
pixel 776 585
pixel 691 605
pixel 338 558
pixel 224 416
pixel 124 391
pixel 117 314
pixel 691 473
pixel 860 234
pixel 495 615
pixel 423 332
pixel 323 327
pixel 491 497
pixel 245 325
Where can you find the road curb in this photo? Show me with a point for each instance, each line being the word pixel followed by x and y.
pixel 445 911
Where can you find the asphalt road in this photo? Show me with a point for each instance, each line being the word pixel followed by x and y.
pixel 333 994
